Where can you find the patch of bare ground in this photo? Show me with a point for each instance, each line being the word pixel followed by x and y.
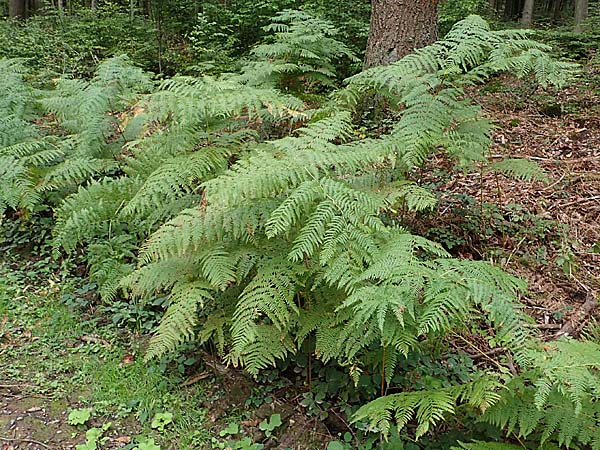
pixel 231 391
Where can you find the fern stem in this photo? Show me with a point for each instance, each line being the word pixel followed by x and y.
pixel 501 206
pixel 481 194
pixel 309 374
pixel 208 142
pixel 383 370
pixel 473 346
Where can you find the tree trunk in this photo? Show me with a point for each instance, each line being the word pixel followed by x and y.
pixel 527 16
pixel 398 27
pixel 17 9
pixel 513 9
pixel 556 9
pixel 581 13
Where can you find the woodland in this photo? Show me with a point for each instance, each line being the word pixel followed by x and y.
pixel 300 224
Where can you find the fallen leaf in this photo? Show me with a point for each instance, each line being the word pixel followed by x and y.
pixel 195 378
pixel 128 359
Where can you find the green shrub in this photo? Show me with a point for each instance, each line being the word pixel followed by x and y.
pixel 72 45
pixel 452 11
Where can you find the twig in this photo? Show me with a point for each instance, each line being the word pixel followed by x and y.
pixel 581 200
pixel 547 188
pixel 195 378
pixel 546 326
pixel 95 340
pixel 571 324
pixel 345 423
pixel 9 386
pixel 487 354
pixel 513 252
pixel 32 441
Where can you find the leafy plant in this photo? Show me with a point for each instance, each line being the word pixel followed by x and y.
pixel 161 421
pixel 273 230
pixel 270 425
pixel 302 54
pixel 232 429
pixel 146 444
pixel 93 437
pixel 79 416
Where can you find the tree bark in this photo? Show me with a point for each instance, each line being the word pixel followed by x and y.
pixel 557 6
pixel 512 10
pixel 17 9
pixel 581 13
pixel 398 27
pixel 527 15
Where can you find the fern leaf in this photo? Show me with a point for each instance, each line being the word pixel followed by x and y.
pixel 179 321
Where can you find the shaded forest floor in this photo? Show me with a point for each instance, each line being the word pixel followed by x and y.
pixel 547 232
pixel 56 357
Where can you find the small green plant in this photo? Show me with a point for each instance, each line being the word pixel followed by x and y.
pixel 145 443
pixel 79 416
pixel 161 421
pixel 243 444
pixel 93 437
pixel 270 425
pixel 566 260
pixel 231 430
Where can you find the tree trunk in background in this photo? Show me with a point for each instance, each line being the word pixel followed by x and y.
pixel 556 9
pixel 512 9
pixel 527 15
pixel 17 9
pixel 32 7
pixel 581 13
pixel 398 27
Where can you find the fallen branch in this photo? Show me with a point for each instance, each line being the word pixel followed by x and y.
pixel 31 441
pixel 572 324
pixel 95 340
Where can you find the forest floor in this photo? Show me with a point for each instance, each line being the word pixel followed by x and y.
pixel 60 363
pixel 546 232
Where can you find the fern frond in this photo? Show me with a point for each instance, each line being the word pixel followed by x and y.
pixel 427 407
pixel 178 323
pixel 175 177
pixel 521 169
pixel 270 294
pixel 91 211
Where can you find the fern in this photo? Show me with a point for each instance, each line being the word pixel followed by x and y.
pixel 427 407
pixel 303 52
pixel 274 227
pixel 519 168
pixel 270 294
pixel 179 320
pixel 76 136
pixel 556 396
pixel 487 446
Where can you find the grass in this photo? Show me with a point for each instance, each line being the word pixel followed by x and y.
pixel 57 352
